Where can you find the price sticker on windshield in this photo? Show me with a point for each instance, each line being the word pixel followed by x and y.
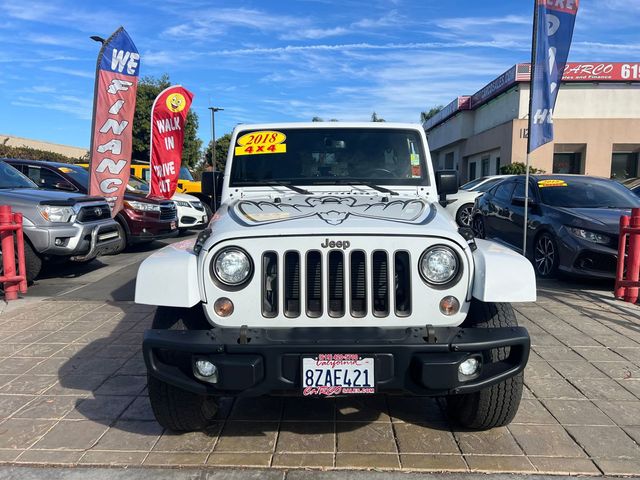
pixel 261 142
pixel 552 183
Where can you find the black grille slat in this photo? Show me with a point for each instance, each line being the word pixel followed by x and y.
pixel 270 284
pixel 402 280
pixel 168 213
pixel 380 283
pixel 358 284
pixel 292 284
pixel 314 284
pixel 336 284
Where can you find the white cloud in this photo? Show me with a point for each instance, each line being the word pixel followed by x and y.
pixel 70 71
pixel 79 107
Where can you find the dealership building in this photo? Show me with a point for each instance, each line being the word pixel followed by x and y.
pixel 596 124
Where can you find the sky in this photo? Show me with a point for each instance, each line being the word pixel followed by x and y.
pixel 280 60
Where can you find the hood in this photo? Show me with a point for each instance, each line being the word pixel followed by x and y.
pixel 604 219
pixel 184 197
pixel 332 215
pixel 37 195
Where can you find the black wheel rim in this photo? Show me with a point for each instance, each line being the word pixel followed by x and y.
pixel 478 227
pixel 466 216
pixel 545 255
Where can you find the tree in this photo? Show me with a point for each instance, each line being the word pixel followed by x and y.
pixel 376 118
pixel 518 168
pixel 148 90
pixel 222 149
pixel 432 112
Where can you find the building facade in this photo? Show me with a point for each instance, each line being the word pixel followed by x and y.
pixel 596 124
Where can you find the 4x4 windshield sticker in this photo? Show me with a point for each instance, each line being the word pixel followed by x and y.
pixel 261 142
pixel 332 210
pixel 552 183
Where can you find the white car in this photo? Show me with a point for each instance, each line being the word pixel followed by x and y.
pixel 460 205
pixel 190 210
pixel 330 269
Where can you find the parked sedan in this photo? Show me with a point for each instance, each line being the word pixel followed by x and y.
pixel 141 220
pixel 460 204
pixel 572 225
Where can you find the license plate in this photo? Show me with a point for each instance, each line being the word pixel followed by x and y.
pixel 173 225
pixel 337 374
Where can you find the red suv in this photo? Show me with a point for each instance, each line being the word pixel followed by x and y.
pixel 141 220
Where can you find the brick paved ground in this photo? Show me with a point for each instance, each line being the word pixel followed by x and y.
pixel 72 392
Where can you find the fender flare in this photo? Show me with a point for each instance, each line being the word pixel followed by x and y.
pixel 182 289
pixel 502 275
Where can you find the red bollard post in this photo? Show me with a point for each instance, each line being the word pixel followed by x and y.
pixel 17 219
pixel 622 248
pixel 8 253
pixel 633 258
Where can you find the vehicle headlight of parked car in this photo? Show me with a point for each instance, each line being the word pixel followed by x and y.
pixel 57 214
pixel 439 265
pixel 197 205
pixel 589 236
pixel 181 203
pixel 232 266
pixel 142 206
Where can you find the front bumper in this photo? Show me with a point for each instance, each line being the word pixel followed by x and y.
pixel 81 242
pixel 414 361
pixel 586 259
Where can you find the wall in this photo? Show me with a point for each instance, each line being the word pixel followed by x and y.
pixel 69 151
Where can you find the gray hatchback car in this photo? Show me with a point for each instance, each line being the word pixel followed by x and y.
pixel 57 225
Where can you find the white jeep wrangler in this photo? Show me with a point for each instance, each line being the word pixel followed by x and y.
pixel 331 269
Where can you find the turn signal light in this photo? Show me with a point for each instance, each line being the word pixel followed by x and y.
pixel 223 307
pixel 449 305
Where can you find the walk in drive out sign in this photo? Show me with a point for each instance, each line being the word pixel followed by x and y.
pixel 113 109
pixel 554 31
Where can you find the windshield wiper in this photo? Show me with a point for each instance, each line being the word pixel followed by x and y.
pixel 374 187
pixel 290 187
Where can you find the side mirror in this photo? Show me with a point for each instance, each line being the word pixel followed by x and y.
pixel 64 185
pixel 446 184
pixel 519 201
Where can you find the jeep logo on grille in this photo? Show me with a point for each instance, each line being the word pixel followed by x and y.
pixel 339 244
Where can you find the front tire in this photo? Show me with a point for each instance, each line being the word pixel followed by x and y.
pixel 545 256
pixel 477 225
pixel 497 405
pixel 32 262
pixel 464 215
pixel 176 409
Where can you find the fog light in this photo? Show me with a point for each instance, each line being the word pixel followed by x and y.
pixel 449 305
pixel 469 367
pixel 207 370
pixel 223 307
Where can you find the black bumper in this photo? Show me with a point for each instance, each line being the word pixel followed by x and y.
pixel 413 361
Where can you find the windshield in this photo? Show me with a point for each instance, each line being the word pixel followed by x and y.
pixel 316 156
pixel 185 174
pixel 138 185
pixel 79 174
pixel 12 178
pixel 470 185
pixel 486 186
pixel 580 192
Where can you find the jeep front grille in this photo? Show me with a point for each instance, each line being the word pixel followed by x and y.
pixel 336 283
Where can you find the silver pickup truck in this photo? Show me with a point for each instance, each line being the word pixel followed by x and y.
pixel 57 225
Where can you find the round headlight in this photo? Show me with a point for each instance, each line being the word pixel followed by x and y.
pixel 232 266
pixel 439 265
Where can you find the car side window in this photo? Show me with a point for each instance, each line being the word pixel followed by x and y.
pixel 518 191
pixel 43 177
pixel 503 191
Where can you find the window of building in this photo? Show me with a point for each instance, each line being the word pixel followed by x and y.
pixel 624 165
pixel 567 162
pixel 448 161
pixel 486 161
pixel 498 165
pixel 472 171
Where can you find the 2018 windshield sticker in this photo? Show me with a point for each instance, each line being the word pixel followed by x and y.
pixel 261 142
pixel 552 183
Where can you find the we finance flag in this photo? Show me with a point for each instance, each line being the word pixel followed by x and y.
pixel 552 35
pixel 113 107
pixel 168 119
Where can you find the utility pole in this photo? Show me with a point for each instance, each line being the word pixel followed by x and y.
pixel 213 152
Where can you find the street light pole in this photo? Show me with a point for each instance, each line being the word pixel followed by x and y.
pixel 213 151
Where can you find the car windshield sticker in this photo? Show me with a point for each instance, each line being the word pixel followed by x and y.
pixel 65 169
pixel 261 142
pixel 552 183
pixel 415 165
